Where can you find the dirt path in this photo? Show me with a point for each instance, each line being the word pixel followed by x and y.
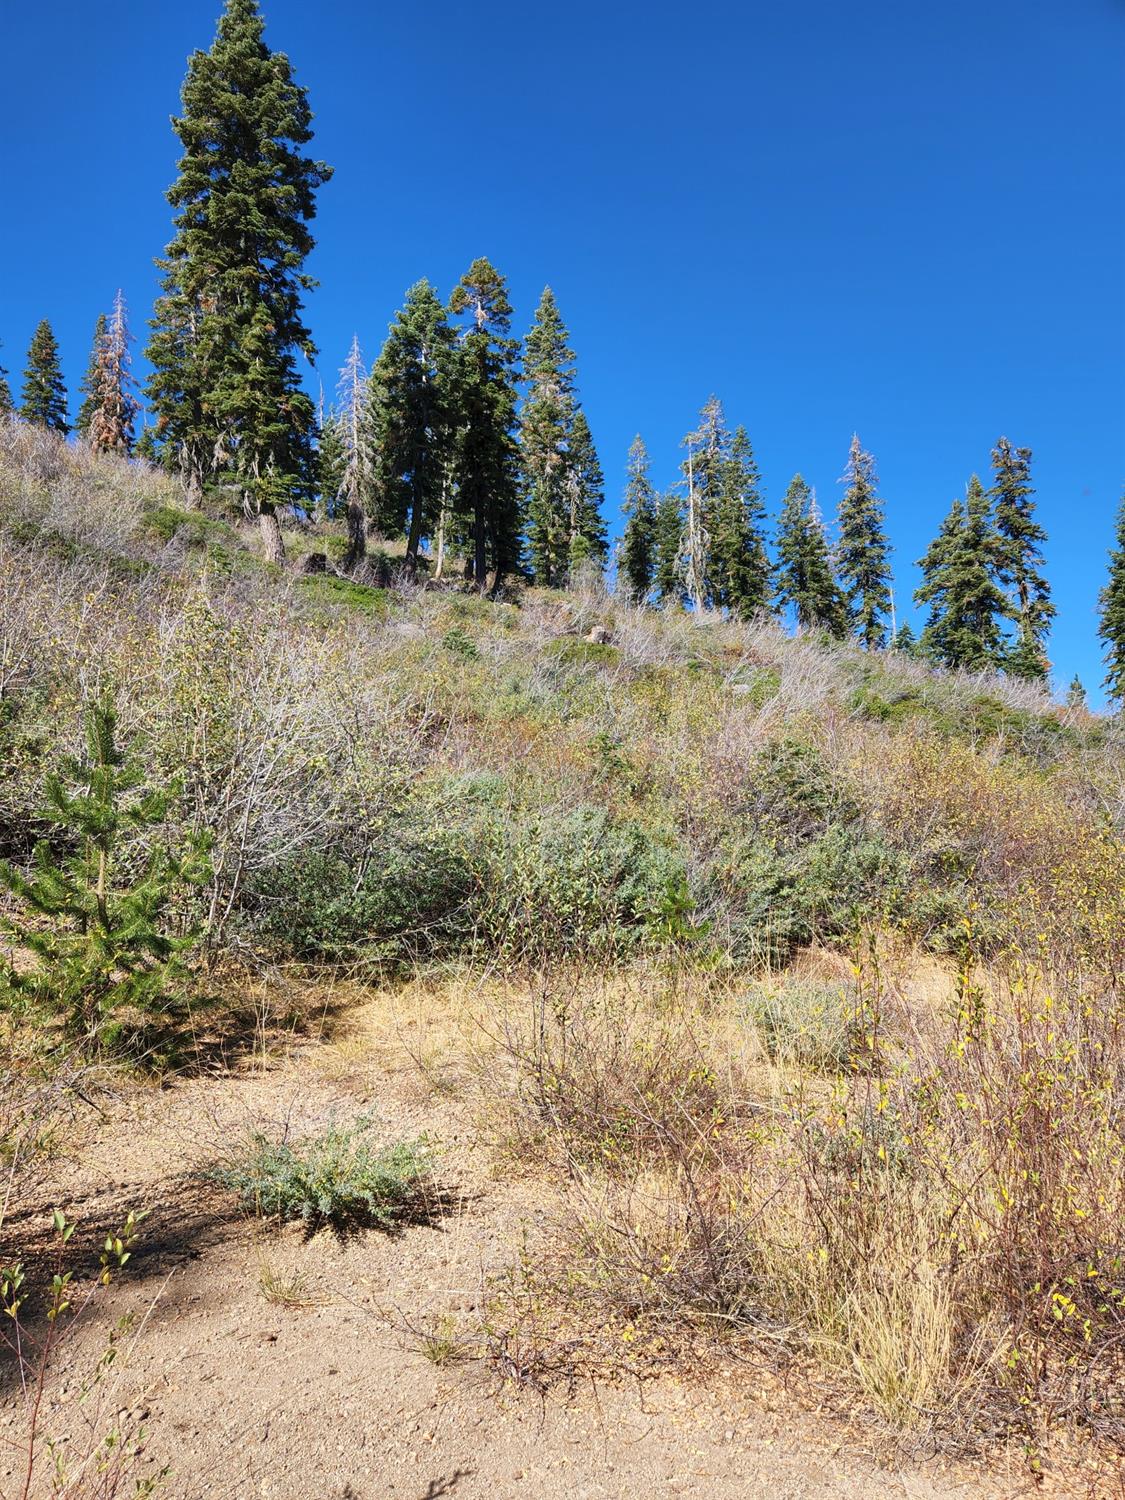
pixel 332 1399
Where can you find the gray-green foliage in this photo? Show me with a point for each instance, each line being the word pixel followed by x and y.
pixel 803 1022
pixel 467 869
pixel 339 1177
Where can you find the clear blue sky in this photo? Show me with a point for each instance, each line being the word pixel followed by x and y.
pixel 902 219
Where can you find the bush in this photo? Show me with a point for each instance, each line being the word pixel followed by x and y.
pixel 578 882
pixel 339 1177
pixel 804 1023
pixel 406 896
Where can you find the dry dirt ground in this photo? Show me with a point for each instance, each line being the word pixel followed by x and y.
pixel 332 1398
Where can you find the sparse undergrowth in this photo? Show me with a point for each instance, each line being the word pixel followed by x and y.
pixel 640 833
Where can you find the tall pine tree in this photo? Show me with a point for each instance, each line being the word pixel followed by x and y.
pixel 636 563
pixel 89 386
pixel 487 470
pixel 1021 559
pixel 115 407
pixel 805 580
pixel 547 421
pixel 587 543
pixel 668 562
pixel 740 567
pixel 44 393
pixel 413 419
pixel 862 557
pixel 966 604
pixel 228 326
pixel 354 485
pixel 1111 624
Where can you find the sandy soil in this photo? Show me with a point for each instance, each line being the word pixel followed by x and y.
pixel 333 1398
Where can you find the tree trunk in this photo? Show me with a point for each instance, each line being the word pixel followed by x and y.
pixel 273 544
pixel 357 533
pixel 414 537
pixel 480 557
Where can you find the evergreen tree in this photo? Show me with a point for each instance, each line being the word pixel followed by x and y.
pixel 228 326
pixel 413 419
pixel 331 461
pixel 1111 606
pixel 740 568
pixel 637 556
pixel 6 404
pixel 966 605
pixel 587 543
pixel 905 641
pixel 668 568
pixel 805 580
pixel 546 423
pixel 703 471
pixel 44 393
pixel 487 473
pixel 1076 693
pixel 862 558
pixel 115 407
pixel 101 939
pixel 354 485
pixel 1020 559
pixel 89 386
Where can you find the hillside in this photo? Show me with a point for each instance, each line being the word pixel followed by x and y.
pixel 740 1011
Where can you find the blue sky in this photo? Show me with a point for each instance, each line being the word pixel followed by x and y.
pixel 905 220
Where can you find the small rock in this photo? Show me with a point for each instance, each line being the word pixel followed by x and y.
pixel 599 636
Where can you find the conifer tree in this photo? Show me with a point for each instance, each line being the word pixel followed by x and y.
pixel 413 419
pixel 707 453
pixel 6 404
pixel 1020 559
pixel 637 556
pixel 1076 693
pixel 44 393
pixel 228 326
pixel 668 569
pixel 115 407
pixel 805 580
pixel 355 469
pixel 487 474
pixel 862 557
pixel 545 433
pixel 966 605
pixel 102 942
pixel 331 461
pixel 89 386
pixel 587 543
pixel 1111 624
pixel 905 640
pixel 740 568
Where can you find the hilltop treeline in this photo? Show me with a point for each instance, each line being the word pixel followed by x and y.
pixel 471 446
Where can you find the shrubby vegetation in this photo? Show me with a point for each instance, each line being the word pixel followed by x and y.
pixel 646 821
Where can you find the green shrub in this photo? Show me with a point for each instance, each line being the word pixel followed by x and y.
pixel 459 643
pixel 328 592
pixel 578 882
pixel 407 895
pixel 340 1177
